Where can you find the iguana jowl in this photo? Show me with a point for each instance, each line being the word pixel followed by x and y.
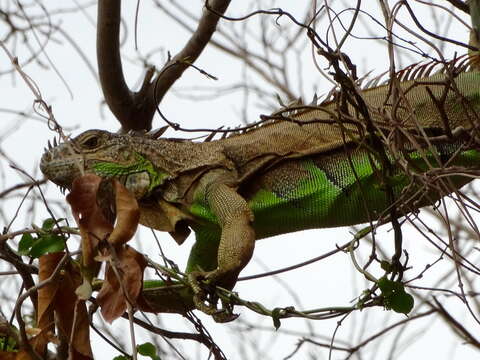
pixel 315 170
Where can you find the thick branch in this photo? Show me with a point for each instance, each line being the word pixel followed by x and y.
pixel 475 16
pixel 115 90
pixel 135 110
pixel 459 4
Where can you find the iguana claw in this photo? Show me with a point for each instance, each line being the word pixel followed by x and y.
pixel 199 294
pixel 200 297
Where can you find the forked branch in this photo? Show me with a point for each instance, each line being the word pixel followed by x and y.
pixel 135 110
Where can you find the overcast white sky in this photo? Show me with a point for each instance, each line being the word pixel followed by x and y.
pixel 331 282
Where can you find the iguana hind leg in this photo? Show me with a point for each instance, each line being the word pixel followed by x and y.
pixel 236 243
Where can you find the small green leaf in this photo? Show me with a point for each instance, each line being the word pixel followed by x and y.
pixel 386 286
pixel 276 318
pixel 48 224
pixel 122 357
pixel 25 244
pixel 46 244
pixel 402 303
pixel 395 297
pixel 385 265
pixel 10 346
pixel 148 349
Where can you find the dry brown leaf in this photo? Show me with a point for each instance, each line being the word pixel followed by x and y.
pixel 93 224
pixel 111 298
pixel 88 215
pixel 59 297
pixel 70 309
pixel 8 355
pixel 87 193
pixel 20 355
pixel 23 355
pixel 128 215
pixel 46 301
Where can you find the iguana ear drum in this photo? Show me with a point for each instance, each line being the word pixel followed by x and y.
pixel 138 183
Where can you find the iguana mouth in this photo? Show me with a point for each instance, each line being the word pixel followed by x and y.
pixel 61 165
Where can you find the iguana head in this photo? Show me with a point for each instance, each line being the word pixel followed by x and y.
pixel 122 157
pixel 105 154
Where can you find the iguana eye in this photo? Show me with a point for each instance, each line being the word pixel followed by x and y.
pixel 90 143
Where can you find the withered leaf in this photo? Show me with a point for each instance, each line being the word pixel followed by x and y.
pixel 88 215
pixel 128 215
pixel 59 297
pixel 72 316
pixel 87 193
pixel 115 289
pixel 8 355
pixel 46 301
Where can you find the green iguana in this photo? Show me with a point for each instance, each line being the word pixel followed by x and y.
pixel 312 167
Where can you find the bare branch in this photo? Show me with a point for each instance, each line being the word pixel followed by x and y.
pixel 460 5
pixel 115 90
pixel 135 110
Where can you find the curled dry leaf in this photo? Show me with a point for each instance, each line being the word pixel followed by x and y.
pixel 124 283
pixel 89 216
pixel 128 215
pixel 8 355
pixel 58 297
pixel 91 198
pixel 94 225
pixel 46 301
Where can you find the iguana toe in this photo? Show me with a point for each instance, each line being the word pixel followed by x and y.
pixel 200 296
pixel 206 301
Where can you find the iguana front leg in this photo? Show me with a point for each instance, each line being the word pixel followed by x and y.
pixel 236 243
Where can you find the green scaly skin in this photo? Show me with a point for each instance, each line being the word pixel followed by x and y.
pixel 280 177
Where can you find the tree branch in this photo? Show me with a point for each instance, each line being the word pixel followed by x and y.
pixel 460 5
pixel 115 90
pixel 135 110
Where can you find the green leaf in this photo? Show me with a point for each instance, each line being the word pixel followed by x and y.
pixel 402 303
pixel 386 286
pixel 276 318
pixel 25 244
pixel 122 357
pixel 10 346
pixel 46 244
pixel 148 349
pixel 48 224
pixel 385 265
pixel 395 297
